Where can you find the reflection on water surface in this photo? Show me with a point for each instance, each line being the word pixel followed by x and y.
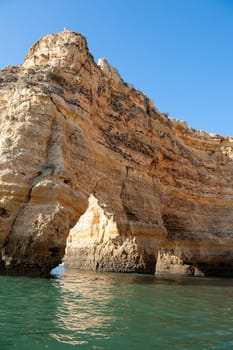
pixel 88 310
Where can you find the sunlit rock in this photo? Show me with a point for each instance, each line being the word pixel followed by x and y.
pixel 87 159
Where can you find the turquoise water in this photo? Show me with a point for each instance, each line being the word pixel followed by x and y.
pixel 85 310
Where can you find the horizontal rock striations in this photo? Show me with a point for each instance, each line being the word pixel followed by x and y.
pixel 85 155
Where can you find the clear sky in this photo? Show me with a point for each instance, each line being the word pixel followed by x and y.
pixel 178 52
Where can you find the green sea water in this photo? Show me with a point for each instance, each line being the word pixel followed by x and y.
pixel 87 310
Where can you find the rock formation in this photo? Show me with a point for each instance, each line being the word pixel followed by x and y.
pixel 85 155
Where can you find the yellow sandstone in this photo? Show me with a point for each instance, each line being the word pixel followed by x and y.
pixel 92 173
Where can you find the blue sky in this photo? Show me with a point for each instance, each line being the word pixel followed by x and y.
pixel 178 52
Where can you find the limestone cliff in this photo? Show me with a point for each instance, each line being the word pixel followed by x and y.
pixel 85 155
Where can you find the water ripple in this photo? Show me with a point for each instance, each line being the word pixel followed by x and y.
pixel 87 310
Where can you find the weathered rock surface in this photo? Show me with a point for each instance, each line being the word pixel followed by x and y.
pixel 86 156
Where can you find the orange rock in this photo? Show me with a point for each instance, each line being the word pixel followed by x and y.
pixel 85 155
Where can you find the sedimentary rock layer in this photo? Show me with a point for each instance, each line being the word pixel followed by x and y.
pixel 85 155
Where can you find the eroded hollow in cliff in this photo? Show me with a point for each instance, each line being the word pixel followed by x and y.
pixel 96 242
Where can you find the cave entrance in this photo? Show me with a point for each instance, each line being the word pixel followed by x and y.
pixel 97 242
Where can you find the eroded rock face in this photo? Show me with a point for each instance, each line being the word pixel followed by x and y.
pixel 86 156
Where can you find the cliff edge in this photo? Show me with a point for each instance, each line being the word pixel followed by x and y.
pixel 88 164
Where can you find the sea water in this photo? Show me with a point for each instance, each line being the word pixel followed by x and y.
pixel 87 310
